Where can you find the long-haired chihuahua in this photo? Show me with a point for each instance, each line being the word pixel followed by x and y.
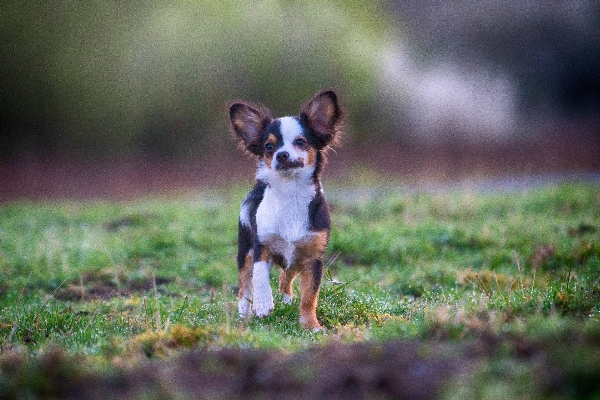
pixel 285 218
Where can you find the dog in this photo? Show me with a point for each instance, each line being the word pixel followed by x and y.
pixel 285 218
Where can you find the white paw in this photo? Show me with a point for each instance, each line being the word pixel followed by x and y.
pixel 262 303
pixel 287 298
pixel 244 308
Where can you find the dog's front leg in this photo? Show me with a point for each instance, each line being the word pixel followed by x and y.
pixel 262 300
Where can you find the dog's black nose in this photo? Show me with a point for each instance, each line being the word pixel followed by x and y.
pixel 283 156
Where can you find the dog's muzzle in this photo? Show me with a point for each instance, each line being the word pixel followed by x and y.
pixel 284 162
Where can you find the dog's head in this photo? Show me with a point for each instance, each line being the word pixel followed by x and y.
pixel 289 145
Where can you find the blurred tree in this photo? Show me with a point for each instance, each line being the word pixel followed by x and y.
pixel 104 78
pixel 92 79
pixel 550 49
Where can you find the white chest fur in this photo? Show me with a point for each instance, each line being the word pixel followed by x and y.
pixel 282 217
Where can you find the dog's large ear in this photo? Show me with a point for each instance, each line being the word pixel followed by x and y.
pixel 248 124
pixel 323 115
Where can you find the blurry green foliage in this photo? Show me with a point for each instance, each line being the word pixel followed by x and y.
pixel 100 77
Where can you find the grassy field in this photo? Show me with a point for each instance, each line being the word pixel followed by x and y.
pixel 453 294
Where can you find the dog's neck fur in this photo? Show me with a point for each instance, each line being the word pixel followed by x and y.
pixel 286 199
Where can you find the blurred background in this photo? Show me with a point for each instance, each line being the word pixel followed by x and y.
pixel 122 98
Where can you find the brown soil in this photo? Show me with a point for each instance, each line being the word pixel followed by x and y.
pixel 401 369
pixel 103 286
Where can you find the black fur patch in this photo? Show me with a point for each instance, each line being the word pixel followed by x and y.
pixel 318 214
pixel 247 235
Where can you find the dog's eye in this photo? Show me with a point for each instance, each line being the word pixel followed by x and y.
pixel 300 142
pixel 269 147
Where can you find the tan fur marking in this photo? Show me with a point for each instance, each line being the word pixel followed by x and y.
pixel 245 278
pixel 269 158
pixel 265 254
pixel 308 299
pixel 286 278
pixel 311 156
pixel 313 248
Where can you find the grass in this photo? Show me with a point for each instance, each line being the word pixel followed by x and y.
pixel 113 285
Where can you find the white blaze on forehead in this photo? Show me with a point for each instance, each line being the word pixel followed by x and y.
pixel 290 129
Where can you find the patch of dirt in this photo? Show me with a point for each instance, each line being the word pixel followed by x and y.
pixel 402 369
pixel 542 255
pixel 135 220
pixel 103 286
pixel 582 229
pixel 394 370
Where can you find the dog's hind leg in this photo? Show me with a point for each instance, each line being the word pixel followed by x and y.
pixel 286 278
pixel 310 282
pixel 245 291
